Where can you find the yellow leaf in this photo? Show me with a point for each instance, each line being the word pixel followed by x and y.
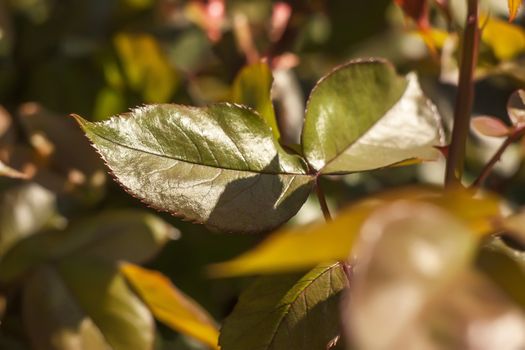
pixel 170 306
pixel 146 66
pixel 514 6
pixel 304 247
pixel 505 39
pixel 252 87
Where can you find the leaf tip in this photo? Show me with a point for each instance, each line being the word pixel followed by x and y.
pixel 81 121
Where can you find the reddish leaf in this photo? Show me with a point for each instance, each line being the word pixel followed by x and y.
pixel 490 126
pixel 417 10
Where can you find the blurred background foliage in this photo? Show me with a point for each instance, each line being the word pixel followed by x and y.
pixel 98 58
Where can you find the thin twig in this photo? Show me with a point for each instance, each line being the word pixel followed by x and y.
pixel 485 172
pixel 322 200
pixel 465 98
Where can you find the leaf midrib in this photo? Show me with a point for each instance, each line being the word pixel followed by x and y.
pixel 193 162
pixel 289 305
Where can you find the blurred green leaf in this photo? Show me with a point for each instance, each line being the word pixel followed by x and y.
pixel 205 164
pixel 505 265
pixel 287 312
pixel 52 316
pixel 171 306
pixel 24 210
pixel 364 108
pixel 127 235
pixel 252 88
pixel 102 293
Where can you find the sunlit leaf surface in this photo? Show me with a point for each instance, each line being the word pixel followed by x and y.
pixel 365 108
pixel 208 165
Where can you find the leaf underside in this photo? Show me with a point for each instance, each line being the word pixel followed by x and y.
pixel 363 116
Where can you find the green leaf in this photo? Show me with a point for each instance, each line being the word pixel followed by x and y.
pixel 287 312
pixel 171 306
pixel 128 235
pixel 24 210
pixel 104 295
pixel 210 165
pixel 505 265
pixel 53 318
pixel 252 88
pixel 147 68
pixel 297 248
pixel 364 116
pixel 84 303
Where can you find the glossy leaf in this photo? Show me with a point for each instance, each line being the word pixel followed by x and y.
pixel 287 312
pixel 514 6
pixel 252 88
pixel 205 164
pixel 365 108
pixel 171 306
pixel 490 126
pixel 412 280
pixel 128 235
pixel 304 247
pixel 516 108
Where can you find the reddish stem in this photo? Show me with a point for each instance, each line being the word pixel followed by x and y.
pixel 487 169
pixel 465 98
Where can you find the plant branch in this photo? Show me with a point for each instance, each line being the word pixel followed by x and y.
pixel 322 200
pixel 465 98
pixel 485 172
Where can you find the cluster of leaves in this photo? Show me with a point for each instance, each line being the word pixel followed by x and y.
pixel 423 267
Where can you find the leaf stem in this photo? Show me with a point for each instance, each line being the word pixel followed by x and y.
pixel 465 97
pixel 322 200
pixel 485 172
